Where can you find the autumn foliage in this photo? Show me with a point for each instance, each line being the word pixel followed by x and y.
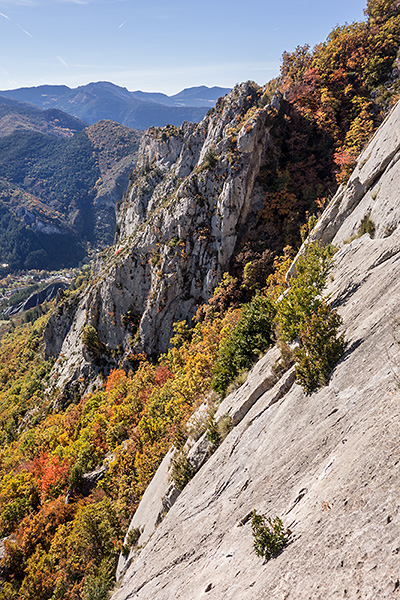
pixel 63 550
pixel 333 98
pixel 347 84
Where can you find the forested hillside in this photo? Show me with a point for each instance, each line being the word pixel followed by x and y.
pixel 19 116
pixel 58 193
pixel 96 430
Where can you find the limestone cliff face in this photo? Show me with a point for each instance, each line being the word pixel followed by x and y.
pixel 192 193
pixel 327 464
pixel 116 149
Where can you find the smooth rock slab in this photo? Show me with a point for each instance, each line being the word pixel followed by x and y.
pixel 327 464
pixel 341 445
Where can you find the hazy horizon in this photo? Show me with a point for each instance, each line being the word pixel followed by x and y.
pixel 113 83
pixel 157 47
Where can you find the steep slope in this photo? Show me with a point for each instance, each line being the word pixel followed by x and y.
pixel 115 148
pixel 204 199
pixel 326 463
pixel 105 100
pixel 32 234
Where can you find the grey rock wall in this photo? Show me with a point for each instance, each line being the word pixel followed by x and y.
pixel 327 463
pixel 178 227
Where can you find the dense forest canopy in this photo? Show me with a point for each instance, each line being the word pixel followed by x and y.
pixel 48 187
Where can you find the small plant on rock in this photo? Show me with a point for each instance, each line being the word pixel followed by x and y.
pixel 218 430
pixel 366 226
pixel 210 159
pixel 173 242
pixel 270 535
pixel 321 348
pixel 91 341
pixel 131 541
pixel 182 470
pixel 285 361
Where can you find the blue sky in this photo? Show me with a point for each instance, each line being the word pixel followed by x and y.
pixel 157 45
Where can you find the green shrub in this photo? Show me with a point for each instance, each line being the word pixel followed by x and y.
pixel 131 540
pixel 321 348
pixel 270 535
pixel 181 471
pixel 91 341
pixel 303 314
pixel 182 334
pixel 8 592
pixel 252 336
pixel 173 242
pixel 210 160
pixel 304 295
pixel 99 583
pixel 90 337
pixel 366 226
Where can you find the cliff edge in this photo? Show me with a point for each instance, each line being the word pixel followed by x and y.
pixel 194 192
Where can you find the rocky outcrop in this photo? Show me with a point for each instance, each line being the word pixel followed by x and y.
pixel 87 484
pixel 116 150
pixel 61 322
pixel 36 222
pixel 193 191
pixel 326 463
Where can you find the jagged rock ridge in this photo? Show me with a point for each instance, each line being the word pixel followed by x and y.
pixel 326 463
pixel 194 192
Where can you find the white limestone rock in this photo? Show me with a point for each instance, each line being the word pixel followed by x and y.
pixel 326 463
pixel 178 226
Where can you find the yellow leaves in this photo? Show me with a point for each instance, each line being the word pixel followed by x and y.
pixel 151 429
pixel 18 496
pixel 147 461
pixel 362 126
pixel 276 283
pixel 39 576
pixel 348 90
pixel 198 368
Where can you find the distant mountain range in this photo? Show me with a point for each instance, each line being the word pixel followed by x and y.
pixel 105 100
